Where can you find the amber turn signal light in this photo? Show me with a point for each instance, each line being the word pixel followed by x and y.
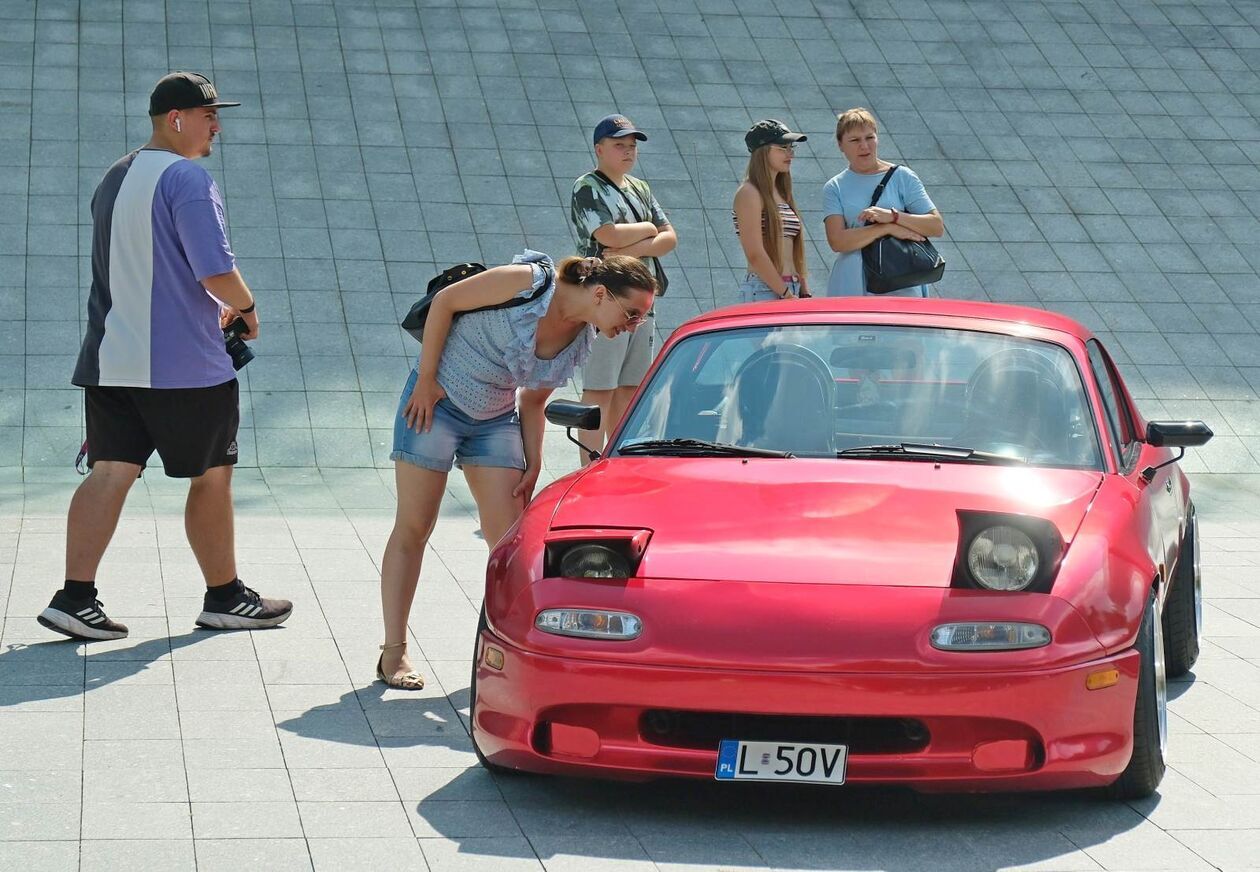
pixel 1103 678
pixel 493 657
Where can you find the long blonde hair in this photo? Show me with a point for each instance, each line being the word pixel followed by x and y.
pixel 759 176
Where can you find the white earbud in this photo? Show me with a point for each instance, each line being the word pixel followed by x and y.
pixel 179 128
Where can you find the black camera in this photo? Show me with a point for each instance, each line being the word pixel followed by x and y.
pixel 240 353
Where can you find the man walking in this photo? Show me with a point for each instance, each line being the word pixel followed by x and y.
pixel 153 366
pixel 615 213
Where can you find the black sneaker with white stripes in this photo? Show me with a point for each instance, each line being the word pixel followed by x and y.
pixel 245 611
pixel 80 618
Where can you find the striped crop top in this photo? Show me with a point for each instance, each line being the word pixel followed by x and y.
pixel 791 221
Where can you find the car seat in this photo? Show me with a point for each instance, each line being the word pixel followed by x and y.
pixel 783 398
pixel 1016 398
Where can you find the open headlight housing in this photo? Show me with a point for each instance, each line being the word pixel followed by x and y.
pixel 597 553
pixel 1004 552
pixel 1002 557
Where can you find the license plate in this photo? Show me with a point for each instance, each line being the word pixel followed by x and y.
pixel 781 761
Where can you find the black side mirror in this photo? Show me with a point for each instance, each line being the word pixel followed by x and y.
pixel 1179 434
pixel 569 414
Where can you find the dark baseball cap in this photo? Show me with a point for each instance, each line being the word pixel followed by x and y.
pixel 617 126
pixel 770 132
pixel 181 90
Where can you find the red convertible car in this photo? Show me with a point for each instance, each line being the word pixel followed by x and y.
pixel 917 542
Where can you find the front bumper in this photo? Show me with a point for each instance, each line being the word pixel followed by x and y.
pixel 1033 730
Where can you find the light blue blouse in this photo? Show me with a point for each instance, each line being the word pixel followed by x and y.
pixel 848 195
pixel 489 354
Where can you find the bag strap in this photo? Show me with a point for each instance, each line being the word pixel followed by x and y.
pixel 883 183
pixel 657 269
pixel 599 174
pixel 548 279
pixel 513 302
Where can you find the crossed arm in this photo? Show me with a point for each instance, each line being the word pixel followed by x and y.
pixel 641 239
pixel 907 226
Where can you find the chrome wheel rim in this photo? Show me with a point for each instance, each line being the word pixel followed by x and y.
pixel 1198 578
pixel 1161 686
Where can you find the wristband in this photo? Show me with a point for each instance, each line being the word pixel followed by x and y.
pixel 896 215
pixel 251 307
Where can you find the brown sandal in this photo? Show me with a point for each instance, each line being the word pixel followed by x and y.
pixel 406 681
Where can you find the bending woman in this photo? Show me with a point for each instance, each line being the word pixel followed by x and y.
pixel 776 254
pixel 459 406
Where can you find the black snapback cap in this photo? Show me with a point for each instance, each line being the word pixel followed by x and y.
pixel 771 132
pixel 181 90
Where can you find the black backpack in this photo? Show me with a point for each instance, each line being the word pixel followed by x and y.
pixel 415 320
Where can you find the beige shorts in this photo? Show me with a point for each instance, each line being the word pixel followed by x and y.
pixel 620 362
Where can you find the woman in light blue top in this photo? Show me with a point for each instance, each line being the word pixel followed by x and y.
pixel 904 210
pixel 460 405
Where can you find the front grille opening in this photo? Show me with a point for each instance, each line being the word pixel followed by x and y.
pixel 675 728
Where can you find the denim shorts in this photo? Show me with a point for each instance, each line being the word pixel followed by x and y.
pixel 456 439
pixel 754 290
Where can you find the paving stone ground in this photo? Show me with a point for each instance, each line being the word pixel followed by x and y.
pixel 1097 158
pixel 179 748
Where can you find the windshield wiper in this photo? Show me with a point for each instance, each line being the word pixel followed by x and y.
pixel 697 446
pixel 925 451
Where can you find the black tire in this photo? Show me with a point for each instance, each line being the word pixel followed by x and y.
pixel 1150 713
pixel 472 704
pixel 1183 609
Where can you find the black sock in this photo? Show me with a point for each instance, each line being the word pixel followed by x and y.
pixel 224 592
pixel 80 590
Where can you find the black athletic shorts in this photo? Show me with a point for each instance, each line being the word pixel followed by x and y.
pixel 192 429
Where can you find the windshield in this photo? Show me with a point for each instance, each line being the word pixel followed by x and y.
pixel 824 390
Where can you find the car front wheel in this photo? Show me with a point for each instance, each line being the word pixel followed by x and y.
pixel 1183 609
pixel 1150 712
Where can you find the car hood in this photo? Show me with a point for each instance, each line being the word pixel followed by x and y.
pixel 871 522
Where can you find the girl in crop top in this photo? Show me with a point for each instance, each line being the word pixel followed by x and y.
pixel 776 255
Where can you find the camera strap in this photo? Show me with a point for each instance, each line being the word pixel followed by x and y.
pixel 82 456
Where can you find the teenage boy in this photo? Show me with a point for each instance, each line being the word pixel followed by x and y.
pixel 615 213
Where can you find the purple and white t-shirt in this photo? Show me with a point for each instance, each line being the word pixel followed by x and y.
pixel 158 230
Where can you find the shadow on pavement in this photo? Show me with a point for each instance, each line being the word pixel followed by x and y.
pixel 712 824
pixel 56 669
pixel 798 827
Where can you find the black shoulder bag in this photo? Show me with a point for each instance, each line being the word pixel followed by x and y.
pixel 415 320
pixel 662 280
pixel 891 264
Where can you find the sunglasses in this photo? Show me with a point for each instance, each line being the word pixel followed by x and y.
pixel 631 319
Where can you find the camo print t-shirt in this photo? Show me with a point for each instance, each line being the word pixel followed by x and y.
pixel 596 203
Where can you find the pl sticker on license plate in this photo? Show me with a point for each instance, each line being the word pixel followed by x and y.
pixel 781 761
